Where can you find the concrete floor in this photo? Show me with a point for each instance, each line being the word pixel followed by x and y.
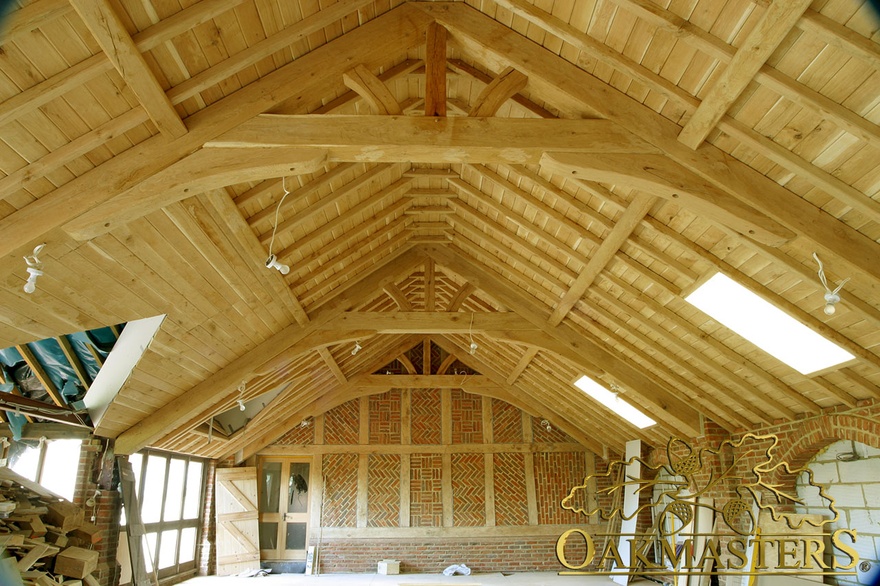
pixel 489 579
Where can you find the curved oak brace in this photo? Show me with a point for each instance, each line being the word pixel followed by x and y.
pixel 204 170
pixel 663 177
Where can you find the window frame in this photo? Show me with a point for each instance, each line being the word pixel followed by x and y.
pixel 162 526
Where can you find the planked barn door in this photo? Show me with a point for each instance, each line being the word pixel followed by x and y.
pixel 238 544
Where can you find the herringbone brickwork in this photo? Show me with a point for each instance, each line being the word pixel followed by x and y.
pixel 468 490
pixel 467 418
pixel 385 418
pixel 426 501
pixel 511 505
pixel 383 490
pixel 341 424
pixel 300 435
pixel 340 490
pixel 426 417
pixel 555 474
pixel 506 423
pixel 553 436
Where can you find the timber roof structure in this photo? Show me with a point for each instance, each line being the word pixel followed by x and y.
pixel 545 181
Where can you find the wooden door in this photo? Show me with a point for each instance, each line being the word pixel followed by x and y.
pixel 284 508
pixel 238 546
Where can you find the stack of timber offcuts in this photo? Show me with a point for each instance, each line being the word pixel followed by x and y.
pixel 44 541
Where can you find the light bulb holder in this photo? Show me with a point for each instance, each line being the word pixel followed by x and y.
pixel 272 263
pixel 473 347
pixel 831 299
pixel 31 285
pixel 241 406
pixel 357 348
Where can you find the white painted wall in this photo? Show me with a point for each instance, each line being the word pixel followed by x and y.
pixel 855 487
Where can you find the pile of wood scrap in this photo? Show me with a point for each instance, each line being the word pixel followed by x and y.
pixel 44 539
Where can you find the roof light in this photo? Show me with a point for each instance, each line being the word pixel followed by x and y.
pixel 766 326
pixel 613 402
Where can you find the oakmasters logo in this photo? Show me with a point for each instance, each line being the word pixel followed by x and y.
pixel 693 529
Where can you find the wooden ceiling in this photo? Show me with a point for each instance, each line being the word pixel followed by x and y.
pixel 546 180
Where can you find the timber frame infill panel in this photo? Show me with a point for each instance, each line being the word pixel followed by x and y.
pixel 475 465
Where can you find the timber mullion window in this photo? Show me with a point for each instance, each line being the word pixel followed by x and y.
pixel 169 488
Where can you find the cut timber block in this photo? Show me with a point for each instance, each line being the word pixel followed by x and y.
pixel 31 523
pixel 76 562
pixel 87 533
pixel 56 538
pixel 72 583
pixel 92 581
pixel 65 516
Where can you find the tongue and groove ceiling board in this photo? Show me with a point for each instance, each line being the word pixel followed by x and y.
pixel 548 180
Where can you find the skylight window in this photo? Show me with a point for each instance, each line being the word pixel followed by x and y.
pixel 766 326
pixel 613 402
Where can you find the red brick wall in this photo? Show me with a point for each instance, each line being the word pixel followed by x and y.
pixel 383 490
pixel 431 556
pixel 511 501
pixel 468 490
pixel 555 474
pixel 425 410
pixel 106 511
pixel 340 490
pixel 299 435
pixel 467 423
pixel 385 418
pixel 341 424
pixel 426 504
pixel 506 423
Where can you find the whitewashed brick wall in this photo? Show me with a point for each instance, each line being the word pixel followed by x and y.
pixel 855 487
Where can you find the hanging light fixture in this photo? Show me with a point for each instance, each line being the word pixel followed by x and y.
pixel 34 269
pixel 272 261
pixel 832 298
pixel 473 346
pixel 357 347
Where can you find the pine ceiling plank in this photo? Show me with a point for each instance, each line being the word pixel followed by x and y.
pixel 838 35
pixel 508 83
pixel 726 173
pixel 771 29
pixel 767 76
pixel 574 346
pixel 119 47
pixel 31 17
pixel 631 217
pixel 27 175
pixel 253 54
pixel 326 230
pixel 221 382
pixel 430 285
pixel 767 147
pixel 365 84
pixel 435 70
pixel 347 190
pixel 232 224
pixel 368 43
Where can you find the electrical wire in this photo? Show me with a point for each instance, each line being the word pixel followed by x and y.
pixel 278 209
